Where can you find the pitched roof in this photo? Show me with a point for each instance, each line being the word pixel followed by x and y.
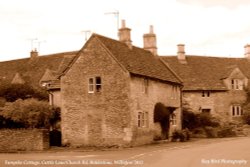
pixel 206 73
pixel 32 70
pixel 137 61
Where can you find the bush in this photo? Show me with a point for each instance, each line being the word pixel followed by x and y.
pixel 13 92
pixel 180 135
pixel 226 132
pixel 30 113
pixel 211 132
pixel 193 120
pixel 246 117
pixel 205 119
pixel 189 119
pixel 199 133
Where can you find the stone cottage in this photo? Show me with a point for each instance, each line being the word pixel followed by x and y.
pixel 212 84
pixel 110 89
pixel 36 71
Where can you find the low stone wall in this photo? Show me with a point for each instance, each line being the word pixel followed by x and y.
pixel 23 139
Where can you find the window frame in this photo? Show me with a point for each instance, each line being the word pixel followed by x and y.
pixel 173 119
pixel 98 86
pixel 174 92
pixel 237 84
pixel 142 119
pixel 94 87
pixel 91 85
pixel 236 110
pixel 206 110
pixel 205 93
pixel 144 87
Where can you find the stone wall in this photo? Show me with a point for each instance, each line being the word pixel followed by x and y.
pixel 219 102
pixel 55 98
pixel 108 117
pixel 100 118
pixel 140 101
pixel 23 139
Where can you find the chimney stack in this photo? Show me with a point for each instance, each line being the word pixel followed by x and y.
pixel 124 34
pixel 33 54
pixel 149 41
pixel 247 51
pixel 181 53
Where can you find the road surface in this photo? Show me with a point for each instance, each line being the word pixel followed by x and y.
pixel 204 153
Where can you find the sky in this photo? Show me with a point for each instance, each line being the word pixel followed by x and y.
pixel 206 27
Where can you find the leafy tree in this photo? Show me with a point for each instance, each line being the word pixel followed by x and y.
pixel 246 114
pixel 193 120
pixel 246 109
pixel 13 92
pixel 30 113
pixel 189 119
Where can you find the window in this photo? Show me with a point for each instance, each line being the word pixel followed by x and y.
pixel 95 84
pixel 145 85
pixel 236 110
pixel 143 119
pixel 205 93
pixel 98 85
pixel 237 84
pixel 174 92
pixel 206 110
pixel 91 85
pixel 173 119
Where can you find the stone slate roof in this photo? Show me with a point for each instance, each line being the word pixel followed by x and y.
pixel 206 73
pixel 137 61
pixel 32 70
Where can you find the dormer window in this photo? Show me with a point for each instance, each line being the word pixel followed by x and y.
pixel 237 84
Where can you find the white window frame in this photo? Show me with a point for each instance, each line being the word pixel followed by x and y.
pixel 237 84
pixel 91 85
pixel 142 121
pixel 98 84
pixel 173 119
pixel 94 85
pixel 236 111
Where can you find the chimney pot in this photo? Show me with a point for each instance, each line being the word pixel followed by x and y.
pixel 123 24
pixel 149 41
pixel 247 51
pixel 151 29
pixel 181 53
pixel 33 54
pixel 124 34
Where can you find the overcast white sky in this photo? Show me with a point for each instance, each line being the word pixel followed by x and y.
pixel 206 27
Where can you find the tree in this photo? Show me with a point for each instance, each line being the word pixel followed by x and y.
pixel 30 113
pixel 246 109
pixel 13 92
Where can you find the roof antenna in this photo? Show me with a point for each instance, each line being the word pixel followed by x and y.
pixel 39 44
pixel 116 14
pixel 86 33
pixel 32 42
